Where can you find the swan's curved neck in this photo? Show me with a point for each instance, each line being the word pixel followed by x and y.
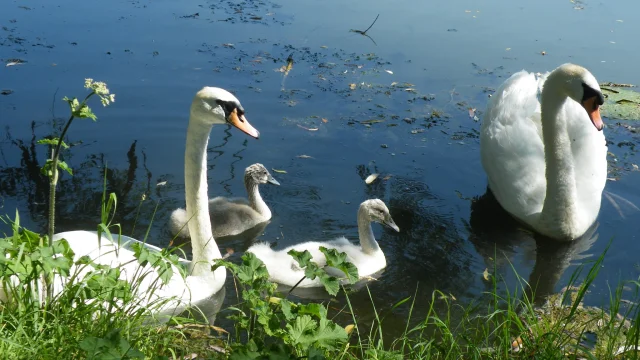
pixel 367 240
pixel 560 204
pixel 255 200
pixel 203 244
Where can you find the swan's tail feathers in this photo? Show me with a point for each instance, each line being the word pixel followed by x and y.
pixel 616 200
pixel 178 223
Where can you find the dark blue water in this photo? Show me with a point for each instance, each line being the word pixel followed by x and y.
pixel 156 55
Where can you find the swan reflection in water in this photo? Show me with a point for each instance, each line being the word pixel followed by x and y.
pixel 495 234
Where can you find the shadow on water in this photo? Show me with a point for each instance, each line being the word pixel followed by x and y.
pixel 497 235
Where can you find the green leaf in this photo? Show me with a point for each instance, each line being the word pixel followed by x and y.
pixel 315 354
pixel 252 269
pixel 112 347
pixel 162 263
pixel 63 166
pixel 279 352
pixel 329 335
pixel 53 142
pixel 339 261
pixel 46 168
pixel 73 103
pixel 302 257
pixel 301 332
pixel 84 112
pixel 330 283
pixel 315 309
pixel 248 351
pixel 285 306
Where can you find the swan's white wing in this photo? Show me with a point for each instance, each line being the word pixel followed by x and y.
pixel 118 251
pixel 511 146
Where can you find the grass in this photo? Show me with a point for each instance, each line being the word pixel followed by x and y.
pixel 501 325
pixel 96 316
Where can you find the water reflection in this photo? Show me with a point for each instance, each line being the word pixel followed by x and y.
pixel 78 198
pixel 497 235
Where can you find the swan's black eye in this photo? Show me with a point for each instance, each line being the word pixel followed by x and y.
pixel 589 92
pixel 229 106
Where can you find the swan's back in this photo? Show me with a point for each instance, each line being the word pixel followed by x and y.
pixel 511 147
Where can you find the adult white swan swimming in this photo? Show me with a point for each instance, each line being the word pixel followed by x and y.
pixel 546 160
pixel 210 106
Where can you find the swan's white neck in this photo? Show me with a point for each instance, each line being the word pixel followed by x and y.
pixel 367 240
pixel 255 200
pixel 203 244
pixel 560 205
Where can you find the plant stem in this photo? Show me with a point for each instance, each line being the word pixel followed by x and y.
pixel 55 155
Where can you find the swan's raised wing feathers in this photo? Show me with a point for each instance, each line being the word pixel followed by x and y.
pixel 511 136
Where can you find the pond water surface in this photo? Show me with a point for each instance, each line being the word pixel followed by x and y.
pixel 423 67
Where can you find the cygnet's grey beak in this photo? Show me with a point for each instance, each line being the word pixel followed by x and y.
pixel 271 180
pixel 390 223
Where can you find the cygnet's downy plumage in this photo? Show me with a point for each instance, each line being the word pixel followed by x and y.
pixel 232 216
pixel 366 256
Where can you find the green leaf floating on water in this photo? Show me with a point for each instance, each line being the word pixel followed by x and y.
pixel 620 103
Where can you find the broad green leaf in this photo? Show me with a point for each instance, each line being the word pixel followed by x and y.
pixel 301 332
pixel 279 352
pixel 112 347
pixel 331 284
pixel 53 142
pixel 285 306
pixel 85 112
pixel 339 261
pixel 63 166
pixel 315 354
pixel 302 257
pixel 73 103
pixel 248 351
pixel 251 269
pixel 315 309
pixel 329 335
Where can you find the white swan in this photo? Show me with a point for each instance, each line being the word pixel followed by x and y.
pixel 210 106
pixel 367 257
pixel 232 216
pixel 546 161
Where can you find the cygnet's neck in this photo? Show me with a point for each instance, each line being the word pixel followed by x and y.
pixel 203 244
pixel 255 200
pixel 560 204
pixel 367 240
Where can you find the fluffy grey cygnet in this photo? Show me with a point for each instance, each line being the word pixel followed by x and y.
pixel 232 216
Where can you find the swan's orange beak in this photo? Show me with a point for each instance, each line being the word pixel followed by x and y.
pixel 241 123
pixel 593 110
